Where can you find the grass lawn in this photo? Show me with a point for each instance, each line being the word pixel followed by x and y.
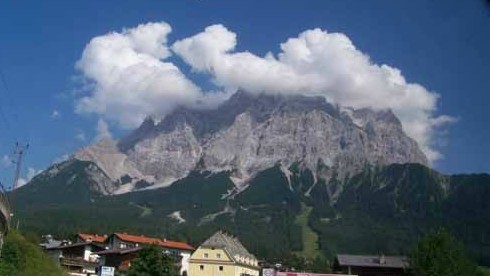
pixel 145 211
pixel 309 237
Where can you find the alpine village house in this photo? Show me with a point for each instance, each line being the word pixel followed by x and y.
pixel 223 255
pixel 220 255
pixel 89 252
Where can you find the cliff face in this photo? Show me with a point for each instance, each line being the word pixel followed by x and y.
pixel 248 134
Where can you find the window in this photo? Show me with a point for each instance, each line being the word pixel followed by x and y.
pixel 218 256
pixel 206 255
pixel 220 268
pixel 201 267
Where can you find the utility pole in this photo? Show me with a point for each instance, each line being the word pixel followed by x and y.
pixel 6 205
pixel 19 152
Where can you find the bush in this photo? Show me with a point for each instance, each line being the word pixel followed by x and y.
pixel 22 258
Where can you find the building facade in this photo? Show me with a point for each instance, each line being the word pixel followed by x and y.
pixel 119 243
pixel 116 250
pixel 120 259
pixel 78 258
pixel 180 252
pixel 366 265
pixel 222 255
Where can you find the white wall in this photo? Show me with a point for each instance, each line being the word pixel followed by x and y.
pixel 185 262
pixel 87 252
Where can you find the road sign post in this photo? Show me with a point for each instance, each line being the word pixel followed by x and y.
pixel 106 271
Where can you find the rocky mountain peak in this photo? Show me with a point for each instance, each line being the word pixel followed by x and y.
pixel 262 105
pixel 249 133
pixel 364 116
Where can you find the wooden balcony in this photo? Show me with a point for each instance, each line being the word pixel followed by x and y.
pixel 77 262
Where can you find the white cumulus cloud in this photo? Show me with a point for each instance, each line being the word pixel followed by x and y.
pixel 131 79
pixel 80 136
pixel 61 158
pixel 55 114
pixel 102 131
pixel 6 161
pixel 316 62
pixel 31 173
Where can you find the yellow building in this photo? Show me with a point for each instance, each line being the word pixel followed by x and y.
pixel 222 255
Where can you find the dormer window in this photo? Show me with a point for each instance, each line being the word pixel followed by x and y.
pixel 218 255
pixel 206 255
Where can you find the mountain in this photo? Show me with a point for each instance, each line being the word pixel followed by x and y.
pixel 383 209
pixel 285 174
pixel 250 133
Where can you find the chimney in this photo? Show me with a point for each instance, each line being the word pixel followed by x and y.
pixel 382 259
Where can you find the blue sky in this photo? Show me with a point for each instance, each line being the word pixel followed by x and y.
pixel 442 45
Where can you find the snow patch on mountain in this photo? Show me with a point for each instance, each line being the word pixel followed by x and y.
pixel 177 216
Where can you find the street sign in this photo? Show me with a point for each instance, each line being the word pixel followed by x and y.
pixel 268 272
pixel 307 274
pixel 106 271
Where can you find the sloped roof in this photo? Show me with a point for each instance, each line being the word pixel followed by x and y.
pixel 91 237
pixel 176 245
pixel 230 244
pixel 80 244
pixel 156 241
pixel 51 244
pixel 119 251
pixel 373 261
pixel 137 239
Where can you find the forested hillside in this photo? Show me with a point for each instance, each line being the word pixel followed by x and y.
pixel 383 209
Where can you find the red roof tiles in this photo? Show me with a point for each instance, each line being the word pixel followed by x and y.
pixel 176 245
pixel 137 239
pixel 156 241
pixel 91 237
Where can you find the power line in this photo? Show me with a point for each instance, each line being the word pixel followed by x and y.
pixel 2 111
pixel 7 89
pixel 2 114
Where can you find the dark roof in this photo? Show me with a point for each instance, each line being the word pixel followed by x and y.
pixel 51 244
pixel 230 244
pixel 373 261
pixel 120 251
pixel 79 244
